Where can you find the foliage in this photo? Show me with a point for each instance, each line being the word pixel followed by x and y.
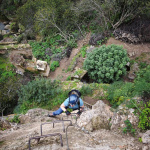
pixel 73 62
pixel 144 117
pixel 54 64
pixel 9 83
pixel 36 92
pixel 15 119
pixel 142 83
pixel 129 128
pixel 39 50
pixel 14 27
pixel 113 13
pixel 68 78
pixel 118 92
pixel 53 40
pixel 9 7
pixel 72 43
pixel 142 110
pixel 57 100
pixel 107 63
pixel 86 90
pixel 83 50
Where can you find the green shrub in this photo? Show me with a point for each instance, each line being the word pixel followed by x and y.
pixel 119 91
pixel 83 50
pixel 54 65
pixel 9 84
pixel 72 43
pixel 107 63
pixel 142 83
pixel 37 92
pixel 144 117
pixel 86 90
pixel 39 50
pixel 68 78
pixel 129 128
pixel 15 119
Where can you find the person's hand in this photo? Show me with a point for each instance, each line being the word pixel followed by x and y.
pixel 68 113
pixel 79 113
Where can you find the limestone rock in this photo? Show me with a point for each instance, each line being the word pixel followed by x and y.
pixel 98 117
pixel 5 124
pixel 121 115
pixel 24 119
pixel 146 137
pixel 41 65
pixel 31 66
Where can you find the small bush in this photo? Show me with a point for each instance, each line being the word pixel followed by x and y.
pixel 142 83
pixel 107 63
pixel 15 119
pixel 72 43
pixel 83 50
pixel 129 128
pixel 86 90
pixel 144 118
pixel 54 65
pixel 118 92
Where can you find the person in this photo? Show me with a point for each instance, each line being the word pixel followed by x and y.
pixel 73 102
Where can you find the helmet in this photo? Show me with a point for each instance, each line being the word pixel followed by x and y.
pixel 73 99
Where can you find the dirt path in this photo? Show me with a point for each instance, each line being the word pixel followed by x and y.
pixel 61 72
pixel 134 50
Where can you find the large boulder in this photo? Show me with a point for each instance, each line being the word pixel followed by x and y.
pixel 97 118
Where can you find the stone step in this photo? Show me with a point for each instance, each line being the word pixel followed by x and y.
pixel 7 43
pixel 14 46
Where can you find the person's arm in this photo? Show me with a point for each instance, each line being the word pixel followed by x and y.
pixel 62 106
pixel 82 108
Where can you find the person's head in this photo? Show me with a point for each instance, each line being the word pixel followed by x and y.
pixel 74 97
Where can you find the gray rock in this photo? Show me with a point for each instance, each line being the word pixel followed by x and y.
pixel 146 137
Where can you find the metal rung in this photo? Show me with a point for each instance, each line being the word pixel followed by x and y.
pixel 48 135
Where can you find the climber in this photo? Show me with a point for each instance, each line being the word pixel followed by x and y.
pixel 73 102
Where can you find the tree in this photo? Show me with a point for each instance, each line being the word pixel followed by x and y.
pixel 113 12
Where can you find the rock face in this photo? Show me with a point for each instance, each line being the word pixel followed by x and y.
pixel 117 121
pixel 97 118
pixel 146 137
pixel 126 36
pixel 97 38
pixel 17 138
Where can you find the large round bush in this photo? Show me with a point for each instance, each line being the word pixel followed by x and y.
pixel 107 63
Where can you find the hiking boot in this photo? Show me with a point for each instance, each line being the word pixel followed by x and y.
pixel 51 115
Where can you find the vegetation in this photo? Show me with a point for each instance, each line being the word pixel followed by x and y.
pixel 129 128
pixel 54 64
pixel 107 63
pixel 37 92
pixel 9 83
pixel 60 24
pixel 15 119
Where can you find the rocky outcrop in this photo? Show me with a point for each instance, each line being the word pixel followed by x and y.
pixel 97 118
pixel 95 38
pixel 24 60
pixel 122 114
pixel 146 137
pixel 126 36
